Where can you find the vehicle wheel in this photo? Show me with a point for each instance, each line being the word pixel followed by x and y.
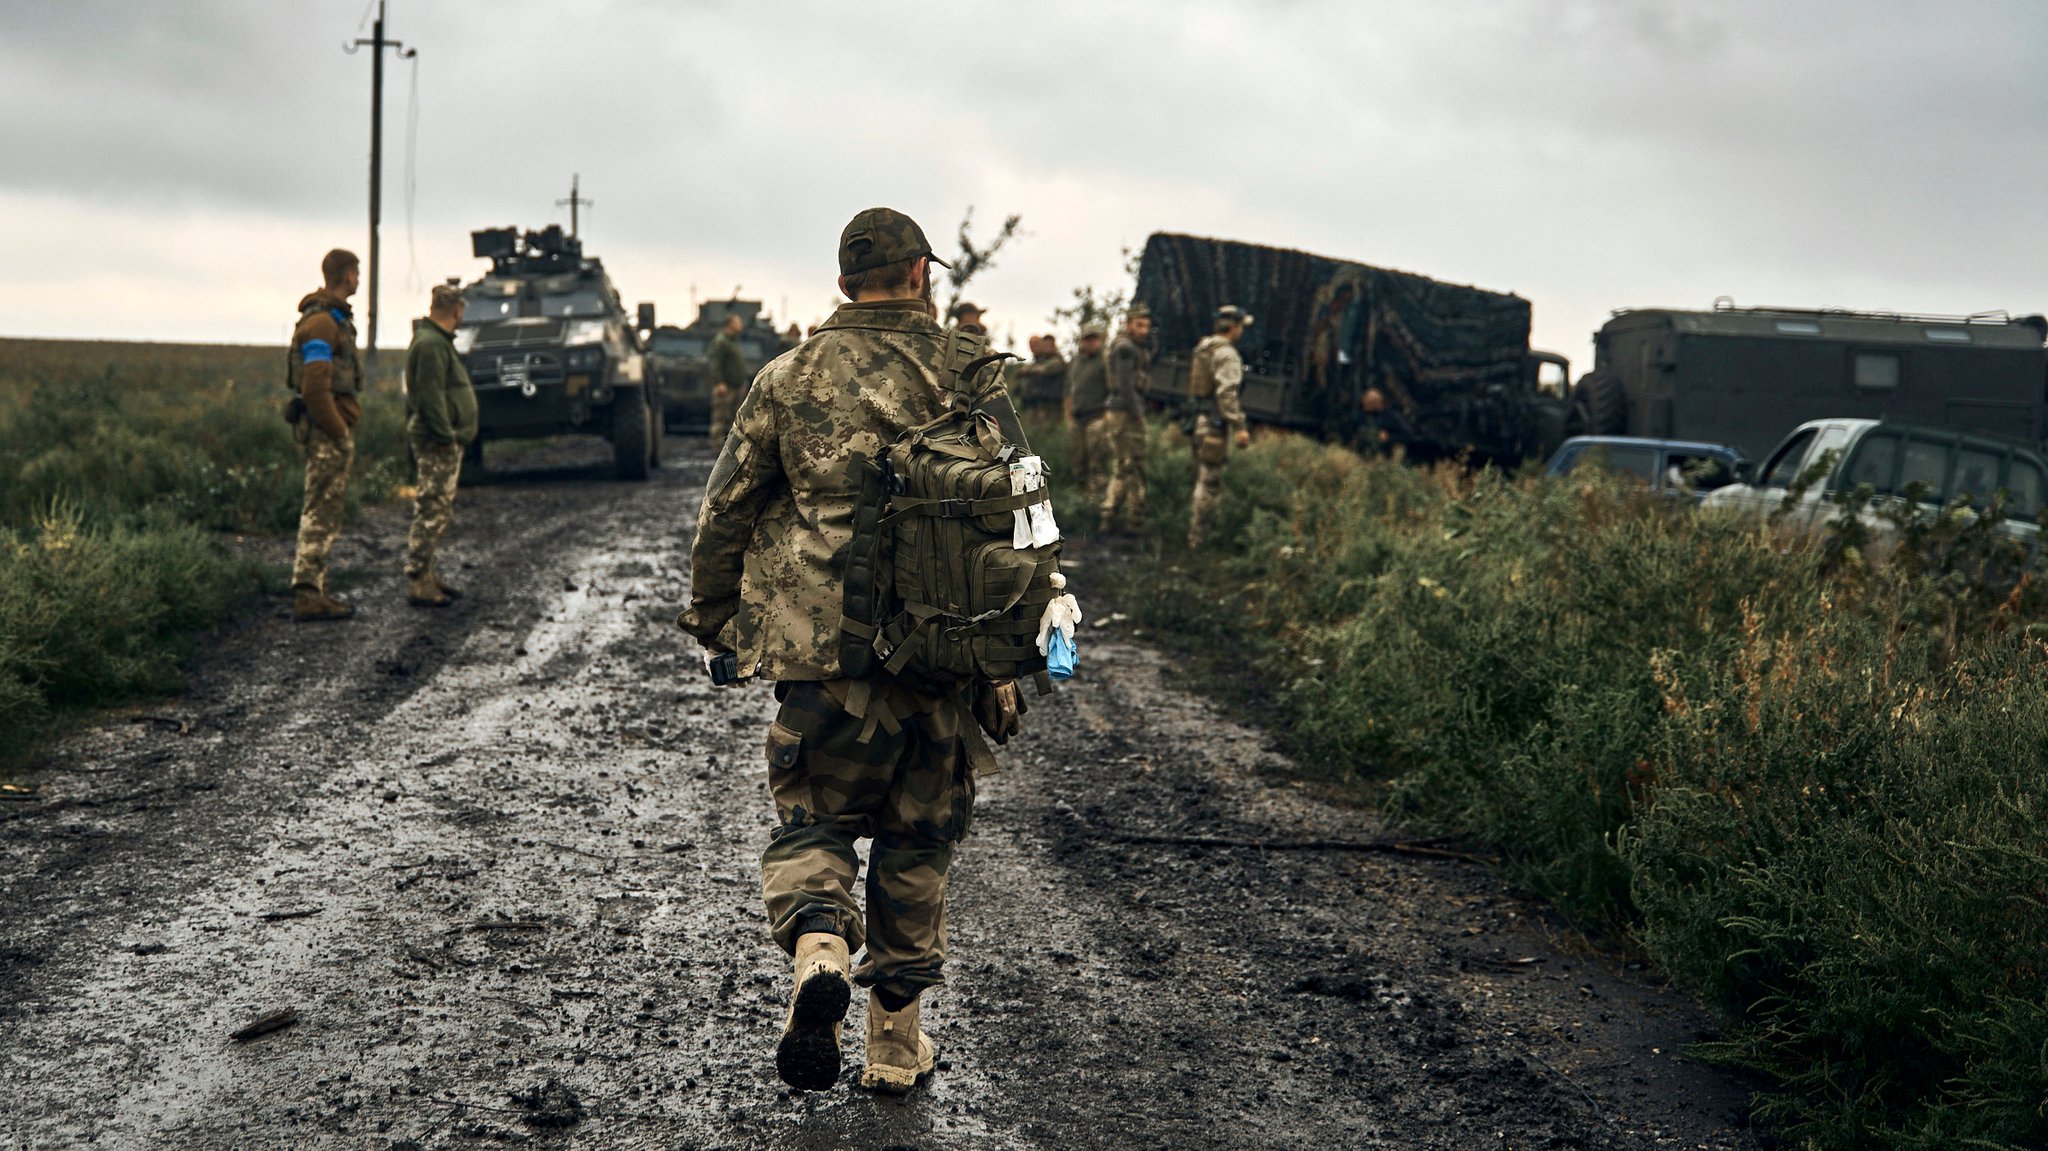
pixel 472 463
pixel 1599 406
pixel 632 437
pixel 657 427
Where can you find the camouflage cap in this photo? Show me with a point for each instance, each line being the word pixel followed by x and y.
pixel 963 308
pixel 1094 328
pixel 1232 314
pixel 1138 312
pixel 881 236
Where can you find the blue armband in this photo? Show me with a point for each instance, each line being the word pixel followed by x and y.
pixel 316 352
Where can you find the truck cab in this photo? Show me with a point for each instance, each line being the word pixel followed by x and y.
pixel 1899 461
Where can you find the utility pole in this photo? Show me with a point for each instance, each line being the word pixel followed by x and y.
pixel 574 201
pixel 376 43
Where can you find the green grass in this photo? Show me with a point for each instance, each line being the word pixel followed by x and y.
pixel 1808 784
pixel 122 469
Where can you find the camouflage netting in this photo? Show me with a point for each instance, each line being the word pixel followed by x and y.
pixel 1330 328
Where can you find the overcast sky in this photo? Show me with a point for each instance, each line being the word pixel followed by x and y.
pixel 174 171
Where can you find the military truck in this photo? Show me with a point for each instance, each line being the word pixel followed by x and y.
pixel 678 358
pixel 1747 376
pixel 551 349
pixel 1451 363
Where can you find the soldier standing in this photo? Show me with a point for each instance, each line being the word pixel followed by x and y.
pixel 1087 395
pixel 1043 380
pixel 325 373
pixel 767 587
pixel 441 419
pixel 1130 366
pixel 1215 372
pixel 730 377
pixel 967 318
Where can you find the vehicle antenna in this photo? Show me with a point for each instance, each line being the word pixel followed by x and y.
pixel 376 43
pixel 574 202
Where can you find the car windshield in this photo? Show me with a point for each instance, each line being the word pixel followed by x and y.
pixel 485 309
pixel 1783 470
pixel 585 303
pixel 678 344
pixel 1635 462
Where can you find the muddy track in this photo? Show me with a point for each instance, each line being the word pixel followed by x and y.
pixel 480 849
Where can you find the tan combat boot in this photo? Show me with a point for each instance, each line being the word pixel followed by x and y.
pixel 899 1052
pixel 446 588
pixel 422 591
pixel 311 605
pixel 808 1056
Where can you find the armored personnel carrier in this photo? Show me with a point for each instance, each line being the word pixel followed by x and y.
pixel 551 349
pixel 1450 366
pixel 1748 376
pixel 678 358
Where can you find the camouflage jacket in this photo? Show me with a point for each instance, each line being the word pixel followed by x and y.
pixel 765 571
pixel 728 364
pixel 1215 373
pixel 326 370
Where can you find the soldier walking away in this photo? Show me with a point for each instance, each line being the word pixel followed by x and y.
pixel 1215 372
pixel 325 374
pixel 967 318
pixel 1130 367
pixel 730 377
pixel 879 757
pixel 1088 452
pixel 441 420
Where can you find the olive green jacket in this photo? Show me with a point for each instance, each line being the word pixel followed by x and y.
pixel 440 404
pixel 728 364
pixel 766 569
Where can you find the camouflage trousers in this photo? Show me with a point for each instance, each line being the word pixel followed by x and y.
pixel 909 790
pixel 433 509
pixel 327 465
pixel 1124 432
pixel 723 409
pixel 1211 449
pixel 1090 456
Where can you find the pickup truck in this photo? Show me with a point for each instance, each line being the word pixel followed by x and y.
pixel 1891 456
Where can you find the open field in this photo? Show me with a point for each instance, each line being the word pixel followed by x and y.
pixel 127 472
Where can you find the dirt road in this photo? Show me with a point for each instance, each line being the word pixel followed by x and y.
pixel 514 842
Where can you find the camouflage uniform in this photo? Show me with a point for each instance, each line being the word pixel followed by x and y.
pixel 441 418
pixel 728 367
pixel 327 373
pixel 1087 394
pixel 766 583
pixel 1130 364
pixel 1215 373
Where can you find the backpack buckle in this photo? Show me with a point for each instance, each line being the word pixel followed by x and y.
pixel 955 508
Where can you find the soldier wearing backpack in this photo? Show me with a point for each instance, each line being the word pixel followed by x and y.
pixel 806 570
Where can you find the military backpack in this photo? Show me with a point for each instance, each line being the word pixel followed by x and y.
pixel 937 589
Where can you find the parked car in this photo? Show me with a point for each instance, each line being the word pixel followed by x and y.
pixel 1892 456
pixel 1677 467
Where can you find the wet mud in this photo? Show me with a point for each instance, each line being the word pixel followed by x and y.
pixel 499 862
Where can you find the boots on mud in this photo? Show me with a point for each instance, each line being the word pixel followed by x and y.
pixel 899 1052
pixel 311 605
pixel 807 1058
pixel 423 590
